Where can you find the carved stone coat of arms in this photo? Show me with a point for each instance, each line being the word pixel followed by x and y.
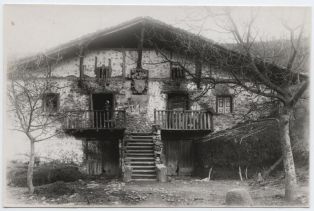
pixel 139 82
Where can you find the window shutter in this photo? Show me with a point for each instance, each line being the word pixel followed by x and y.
pixel 224 104
pixel 220 105
pixel 227 105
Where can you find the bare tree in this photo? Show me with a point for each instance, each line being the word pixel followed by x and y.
pixel 32 105
pixel 244 67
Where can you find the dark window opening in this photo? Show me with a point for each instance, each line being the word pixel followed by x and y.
pixel 224 104
pixel 50 102
pixel 103 73
pixel 177 72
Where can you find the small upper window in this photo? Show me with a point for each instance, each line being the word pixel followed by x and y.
pixel 176 72
pixel 50 102
pixel 224 104
pixel 103 73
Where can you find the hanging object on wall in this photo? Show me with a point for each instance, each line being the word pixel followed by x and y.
pixel 139 81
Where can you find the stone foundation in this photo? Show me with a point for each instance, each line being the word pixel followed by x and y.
pixel 158 148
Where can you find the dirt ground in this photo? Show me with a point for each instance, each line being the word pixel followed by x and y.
pixel 177 193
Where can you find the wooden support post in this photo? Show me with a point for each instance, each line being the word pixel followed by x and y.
pixel 81 57
pixel 49 70
pixel 110 68
pixel 155 120
pixel 95 63
pixel 140 48
pixel 198 72
pixel 211 122
pixel 124 119
pixel 123 64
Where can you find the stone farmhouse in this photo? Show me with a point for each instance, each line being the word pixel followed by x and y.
pixel 133 105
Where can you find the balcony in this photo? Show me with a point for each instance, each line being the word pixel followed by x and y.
pixel 184 120
pixel 94 119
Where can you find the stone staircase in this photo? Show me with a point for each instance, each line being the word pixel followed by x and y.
pixel 139 154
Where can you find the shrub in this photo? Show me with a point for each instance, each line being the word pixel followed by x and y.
pixel 43 174
pixel 55 189
pixel 225 155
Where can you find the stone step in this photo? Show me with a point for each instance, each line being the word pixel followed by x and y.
pixel 141 167
pixel 141 134
pixel 139 154
pixel 144 171
pixel 140 151
pixel 143 175
pixel 144 180
pixel 140 158
pixel 140 147
pixel 141 137
pixel 140 144
pixel 151 167
pixel 142 163
pixel 139 140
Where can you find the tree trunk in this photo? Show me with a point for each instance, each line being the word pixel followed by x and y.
pixel 209 173
pixel 246 173
pixel 240 173
pixel 273 167
pixel 31 168
pixel 290 175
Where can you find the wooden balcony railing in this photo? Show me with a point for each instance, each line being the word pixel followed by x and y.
pixel 95 119
pixel 183 120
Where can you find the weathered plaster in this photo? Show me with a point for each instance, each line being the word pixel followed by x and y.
pixel 139 108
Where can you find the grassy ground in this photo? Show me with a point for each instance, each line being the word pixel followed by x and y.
pixel 177 193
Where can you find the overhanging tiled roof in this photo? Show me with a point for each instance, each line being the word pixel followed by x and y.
pixel 122 32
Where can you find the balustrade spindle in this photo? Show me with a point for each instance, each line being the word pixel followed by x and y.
pixel 183 120
pixel 94 119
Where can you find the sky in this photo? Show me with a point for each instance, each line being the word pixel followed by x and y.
pixel 31 29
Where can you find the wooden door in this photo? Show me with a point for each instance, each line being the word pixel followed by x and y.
pixel 110 158
pixel 186 158
pixel 93 157
pixel 102 157
pixel 179 157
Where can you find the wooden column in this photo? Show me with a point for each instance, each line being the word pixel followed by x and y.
pixel 95 67
pixel 123 63
pixel 198 73
pixel 49 70
pixel 140 48
pixel 81 57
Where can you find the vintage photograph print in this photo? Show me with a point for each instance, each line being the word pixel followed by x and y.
pixel 156 106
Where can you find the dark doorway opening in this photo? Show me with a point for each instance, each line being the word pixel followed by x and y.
pixel 102 106
pixel 178 101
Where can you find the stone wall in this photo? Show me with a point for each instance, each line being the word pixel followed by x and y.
pixel 76 95
pixel 242 102
pixel 140 108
